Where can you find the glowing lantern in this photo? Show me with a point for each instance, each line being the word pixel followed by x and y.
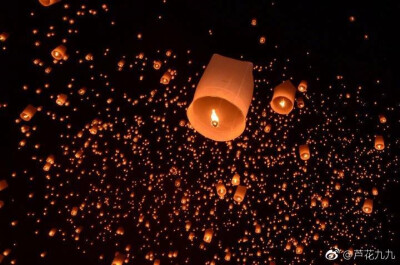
pixel 304 152
pixel 48 2
pixel 166 78
pixel 299 249
pixel 208 234
pixel 236 179
pixel 52 232
pixel 156 262
pixel 240 193
pixel 59 53
pixel 1 204
pixel 302 86
pixel 46 167
pixel 118 259
pixel 325 203
pixel 222 99
pixel 382 118
pixel 283 99
pixel 61 99
pixel 374 191
pixel 50 159
pixel 28 113
pixel 228 256
pixel 3 184
pixel 300 103
pixel 74 211
pixel 4 36
pixel 221 190
pixel 379 142
pixel 157 65
pixel 188 225
pixel 267 128
pixel 368 206
pixel 257 229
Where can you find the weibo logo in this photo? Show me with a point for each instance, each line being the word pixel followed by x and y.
pixel 332 254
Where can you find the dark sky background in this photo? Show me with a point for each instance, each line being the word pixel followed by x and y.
pixel 322 28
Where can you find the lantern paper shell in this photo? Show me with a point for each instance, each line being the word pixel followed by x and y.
pixel 208 234
pixel 283 99
pixel 221 190
pixel 304 152
pixel 379 142
pixel 236 179
pixel 48 2
pixel 28 113
pixel 302 86
pixel 4 36
pixel 226 88
pixel 59 53
pixel 368 206
pixel 3 184
pixel 240 193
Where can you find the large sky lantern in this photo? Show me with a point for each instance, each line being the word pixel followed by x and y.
pixel 59 53
pixel 28 113
pixel 208 234
pixel 240 193
pixel 304 151
pixel 48 2
pixel 221 190
pixel 283 99
pixel 236 179
pixel 368 206
pixel 118 259
pixel 222 99
pixel 379 142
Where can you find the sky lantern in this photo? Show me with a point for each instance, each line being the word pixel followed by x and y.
pixel 61 99
pixel 302 86
pixel 236 179
pixel 283 99
pixel 3 184
pixel 28 113
pixel 240 193
pixel 379 142
pixel 382 118
pixel 300 102
pixel 222 99
pixel 368 206
pixel 304 152
pixel 299 249
pixel 208 234
pixel 324 202
pixel 48 2
pixel 166 78
pixel 59 53
pixel 4 36
pixel 118 259
pixel 221 190
pixel 157 65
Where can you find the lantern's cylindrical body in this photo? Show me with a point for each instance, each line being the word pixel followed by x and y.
pixel 236 179
pixel 379 142
pixel 28 113
pixel 118 259
pixel 61 99
pixel 368 206
pixel 302 86
pixel 166 78
pixel 208 234
pixel 222 99
pixel 59 53
pixel 240 193
pixel 304 152
pixel 283 99
pixel 48 2
pixel 3 184
pixel 221 190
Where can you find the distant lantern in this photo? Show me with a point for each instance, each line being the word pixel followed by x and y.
pixel 61 99
pixel 283 99
pixel 257 229
pixel 46 167
pixel 59 53
pixel 267 128
pixel 4 36
pixel 302 86
pixel 3 184
pixel 208 234
pixel 52 232
pixel 325 203
pixel 222 99
pixel 166 78
pixel 240 193
pixel 382 118
pixel 157 65
pixel 48 2
pixel 28 113
pixel 262 40
pixel 375 191
pixel 228 256
pixel 299 249
pixel 300 102
pixel 156 262
pixel 74 211
pixel 254 22
pixel 379 142
pixel 236 179
pixel 368 206
pixel 221 190
pixel 118 259
pixel 304 152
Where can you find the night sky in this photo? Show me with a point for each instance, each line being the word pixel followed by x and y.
pixel 116 169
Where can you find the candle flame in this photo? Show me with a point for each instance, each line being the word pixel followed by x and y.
pixel 214 118
pixel 282 103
